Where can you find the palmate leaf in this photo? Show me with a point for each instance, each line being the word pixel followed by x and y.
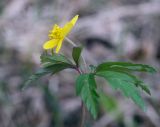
pixel 86 88
pixel 55 68
pixel 56 63
pixel 50 65
pixel 124 83
pixel 133 79
pixel 137 82
pixel 127 66
pixel 76 53
pixel 56 58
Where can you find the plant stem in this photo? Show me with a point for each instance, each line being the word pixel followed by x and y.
pixel 70 41
pixel 82 106
pixel 83 115
pixel 52 51
pixel 80 72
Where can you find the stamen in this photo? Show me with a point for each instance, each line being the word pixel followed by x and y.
pixel 56 33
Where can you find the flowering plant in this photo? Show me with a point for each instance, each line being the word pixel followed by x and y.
pixel 119 75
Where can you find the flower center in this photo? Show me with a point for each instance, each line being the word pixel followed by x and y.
pixel 56 33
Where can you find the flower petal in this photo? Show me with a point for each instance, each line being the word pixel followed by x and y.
pixel 59 45
pixel 50 44
pixel 74 19
pixel 68 26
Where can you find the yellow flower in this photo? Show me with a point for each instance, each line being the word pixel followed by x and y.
pixel 57 35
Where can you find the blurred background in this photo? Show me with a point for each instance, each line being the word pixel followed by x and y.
pixel 125 30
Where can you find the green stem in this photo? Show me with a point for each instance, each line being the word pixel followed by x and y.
pixel 52 51
pixel 45 51
pixel 70 41
pixel 82 106
pixel 80 72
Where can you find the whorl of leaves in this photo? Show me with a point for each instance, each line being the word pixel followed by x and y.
pixel 117 74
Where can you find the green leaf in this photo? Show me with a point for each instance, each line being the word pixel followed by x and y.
pixel 125 66
pixel 124 83
pixel 50 69
pixel 35 76
pixel 76 53
pixel 56 58
pixel 51 65
pixel 55 63
pixel 80 81
pixel 133 79
pixel 86 88
pixel 137 82
pixel 55 68
pixel 144 87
